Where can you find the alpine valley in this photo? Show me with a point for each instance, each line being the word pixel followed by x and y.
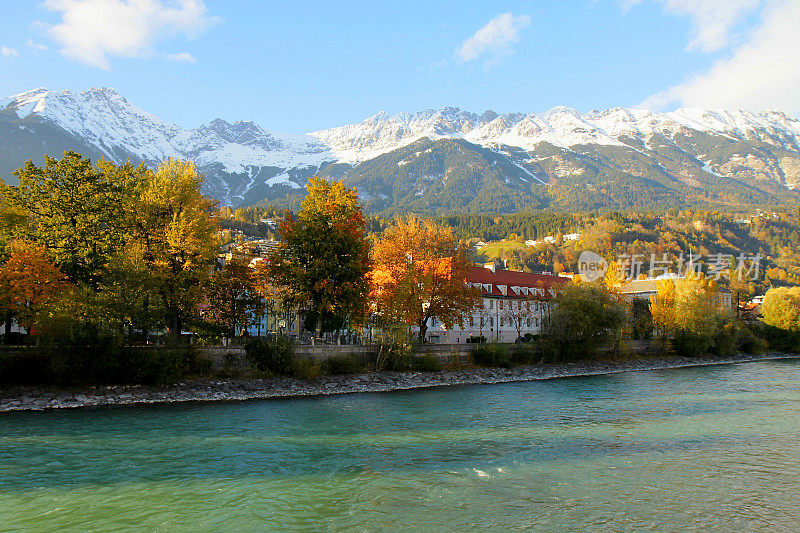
pixel 444 161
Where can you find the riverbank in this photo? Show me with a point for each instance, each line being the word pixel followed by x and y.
pixel 40 398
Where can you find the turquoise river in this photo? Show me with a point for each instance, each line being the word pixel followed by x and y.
pixel 706 448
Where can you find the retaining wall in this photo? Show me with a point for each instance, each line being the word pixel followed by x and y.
pixel 234 356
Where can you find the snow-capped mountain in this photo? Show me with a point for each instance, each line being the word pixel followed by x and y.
pixel 561 126
pixel 439 160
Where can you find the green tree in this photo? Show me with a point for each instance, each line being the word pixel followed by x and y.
pixel 641 319
pixel 323 258
pixel 585 319
pixel 78 211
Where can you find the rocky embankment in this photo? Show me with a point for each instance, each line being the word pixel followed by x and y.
pixel 37 399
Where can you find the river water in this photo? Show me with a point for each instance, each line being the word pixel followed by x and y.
pixel 693 448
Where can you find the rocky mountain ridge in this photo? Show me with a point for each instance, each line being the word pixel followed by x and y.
pixel 439 160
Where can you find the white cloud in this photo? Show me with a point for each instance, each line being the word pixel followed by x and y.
pixel 182 57
pixel 495 38
pixel 8 52
pixel 762 73
pixel 38 47
pixel 712 20
pixel 92 30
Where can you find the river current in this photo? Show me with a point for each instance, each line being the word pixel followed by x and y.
pixel 694 448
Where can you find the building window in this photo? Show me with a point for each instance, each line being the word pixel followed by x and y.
pixel 500 304
pixel 491 304
pixel 471 321
pixel 491 321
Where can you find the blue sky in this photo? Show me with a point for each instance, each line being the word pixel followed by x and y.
pixel 300 66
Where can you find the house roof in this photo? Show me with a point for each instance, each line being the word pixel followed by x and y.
pixel 514 284
pixel 640 285
pixel 651 286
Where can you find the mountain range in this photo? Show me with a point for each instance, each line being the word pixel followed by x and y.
pixel 440 161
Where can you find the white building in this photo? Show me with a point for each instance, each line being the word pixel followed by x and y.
pixel 512 304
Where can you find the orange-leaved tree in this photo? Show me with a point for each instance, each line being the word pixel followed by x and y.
pixel 420 272
pixel 28 281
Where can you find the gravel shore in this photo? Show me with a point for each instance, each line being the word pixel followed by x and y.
pixel 38 398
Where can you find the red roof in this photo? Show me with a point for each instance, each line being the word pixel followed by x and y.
pixel 503 282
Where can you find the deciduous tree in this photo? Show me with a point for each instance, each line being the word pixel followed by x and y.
pixel 323 259
pixel 781 308
pixel 28 281
pixel 232 302
pixel 175 227
pixel 421 272
pixel 79 212
pixel 585 318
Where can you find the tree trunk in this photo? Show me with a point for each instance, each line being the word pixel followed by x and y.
pixel 423 329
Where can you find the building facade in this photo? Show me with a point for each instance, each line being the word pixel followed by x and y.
pixel 647 289
pixel 513 304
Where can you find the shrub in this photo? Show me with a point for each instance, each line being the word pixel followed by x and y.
pixel 395 357
pixel 476 340
pixel 307 368
pixel 344 364
pixel 274 355
pixel 164 365
pixel 525 353
pixel 81 365
pixel 776 338
pixel 749 342
pixel 426 363
pixel 24 367
pixel 491 354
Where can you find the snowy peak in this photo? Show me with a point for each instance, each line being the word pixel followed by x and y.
pixel 561 126
pixel 244 163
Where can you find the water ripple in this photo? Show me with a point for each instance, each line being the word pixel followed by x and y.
pixel 698 448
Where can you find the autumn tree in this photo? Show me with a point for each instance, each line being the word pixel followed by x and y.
pixel 275 301
pixel 78 211
pixel 232 302
pixel 174 226
pixel 781 308
pixel 421 272
pixel 585 319
pixel 29 280
pixel 323 259
pixel 662 307
pixel 689 314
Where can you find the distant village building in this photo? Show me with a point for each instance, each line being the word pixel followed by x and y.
pixel 513 303
pixel 552 240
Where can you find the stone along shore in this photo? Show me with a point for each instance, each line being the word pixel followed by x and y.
pixel 38 399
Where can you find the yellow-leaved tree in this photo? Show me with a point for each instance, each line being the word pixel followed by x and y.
pixel 175 228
